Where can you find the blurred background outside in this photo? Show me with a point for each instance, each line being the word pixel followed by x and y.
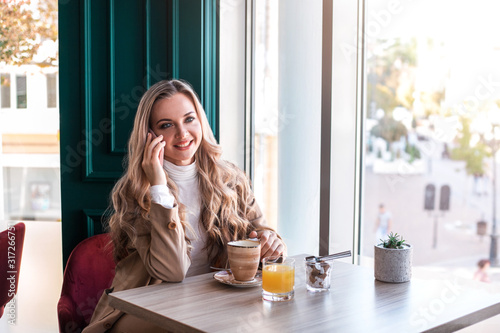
pixel 29 156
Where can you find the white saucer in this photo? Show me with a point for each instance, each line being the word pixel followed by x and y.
pixel 228 278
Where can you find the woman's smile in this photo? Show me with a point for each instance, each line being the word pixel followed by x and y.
pixel 184 145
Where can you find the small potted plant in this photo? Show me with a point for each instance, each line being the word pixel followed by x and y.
pixel 393 259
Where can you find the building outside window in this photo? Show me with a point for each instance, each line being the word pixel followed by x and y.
pixel 21 92
pixel 5 90
pixel 51 90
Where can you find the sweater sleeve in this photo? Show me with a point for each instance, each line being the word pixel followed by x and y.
pixel 163 250
pixel 161 195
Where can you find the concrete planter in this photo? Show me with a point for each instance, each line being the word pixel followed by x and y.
pixel 393 265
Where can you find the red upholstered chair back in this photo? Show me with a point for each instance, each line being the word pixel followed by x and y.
pixel 90 269
pixel 11 250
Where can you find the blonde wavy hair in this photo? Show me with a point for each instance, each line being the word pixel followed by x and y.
pixel 225 191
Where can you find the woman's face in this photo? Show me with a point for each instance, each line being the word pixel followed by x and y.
pixel 176 119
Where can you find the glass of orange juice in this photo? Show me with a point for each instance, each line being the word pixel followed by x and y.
pixel 278 279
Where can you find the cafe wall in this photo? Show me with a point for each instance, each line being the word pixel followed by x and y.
pixel 110 53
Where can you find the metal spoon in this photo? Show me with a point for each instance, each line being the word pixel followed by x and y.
pixel 330 256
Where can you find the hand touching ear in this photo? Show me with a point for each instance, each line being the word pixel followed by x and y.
pixel 152 160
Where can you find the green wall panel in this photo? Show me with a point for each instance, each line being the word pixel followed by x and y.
pixel 195 33
pixel 128 66
pixel 110 53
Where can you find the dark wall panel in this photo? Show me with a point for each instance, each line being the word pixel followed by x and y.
pixel 110 53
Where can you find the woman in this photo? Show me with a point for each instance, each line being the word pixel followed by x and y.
pixel 177 205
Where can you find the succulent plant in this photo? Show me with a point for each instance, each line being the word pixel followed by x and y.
pixel 394 241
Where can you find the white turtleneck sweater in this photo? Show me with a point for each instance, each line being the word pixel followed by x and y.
pixel 186 179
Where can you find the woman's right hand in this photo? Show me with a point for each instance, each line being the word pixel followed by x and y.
pixel 152 160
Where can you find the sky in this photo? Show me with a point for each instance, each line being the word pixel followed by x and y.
pixel 468 29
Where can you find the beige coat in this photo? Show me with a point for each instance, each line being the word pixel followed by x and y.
pixel 158 255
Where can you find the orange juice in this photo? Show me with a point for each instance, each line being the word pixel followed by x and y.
pixel 278 278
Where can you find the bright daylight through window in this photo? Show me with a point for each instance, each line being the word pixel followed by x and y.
pixel 287 66
pixel 29 156
pixel 30 119
pixel 432 129
pixel 430 122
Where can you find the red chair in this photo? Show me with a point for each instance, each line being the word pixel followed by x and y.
pixel 11 251
pixel 90 269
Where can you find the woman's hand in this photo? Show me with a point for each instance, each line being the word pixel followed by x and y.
pixel 152 160
pixel 270 244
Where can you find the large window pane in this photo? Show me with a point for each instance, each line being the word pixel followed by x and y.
pixel 232 80
pixel 32 193
pixel 287 118
pixel 29 159
pixel 432 120
pixel 343 142
pixel 266 107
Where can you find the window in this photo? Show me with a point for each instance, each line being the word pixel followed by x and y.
pixel 412 106
pixel 51 90
pixel 5 90
pixel 21 93
pixel 288 118
pixel 32 193
pixel 431 129
pixel 232 80
pixel 267 114
pixel 344 205
pixel 29 159
pixel 288 115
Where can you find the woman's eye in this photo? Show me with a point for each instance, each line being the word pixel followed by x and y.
pixel 189 119
pixel 165 125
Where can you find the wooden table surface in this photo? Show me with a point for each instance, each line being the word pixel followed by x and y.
pixel 355 303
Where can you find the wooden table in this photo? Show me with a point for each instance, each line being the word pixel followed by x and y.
pixel 355 303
